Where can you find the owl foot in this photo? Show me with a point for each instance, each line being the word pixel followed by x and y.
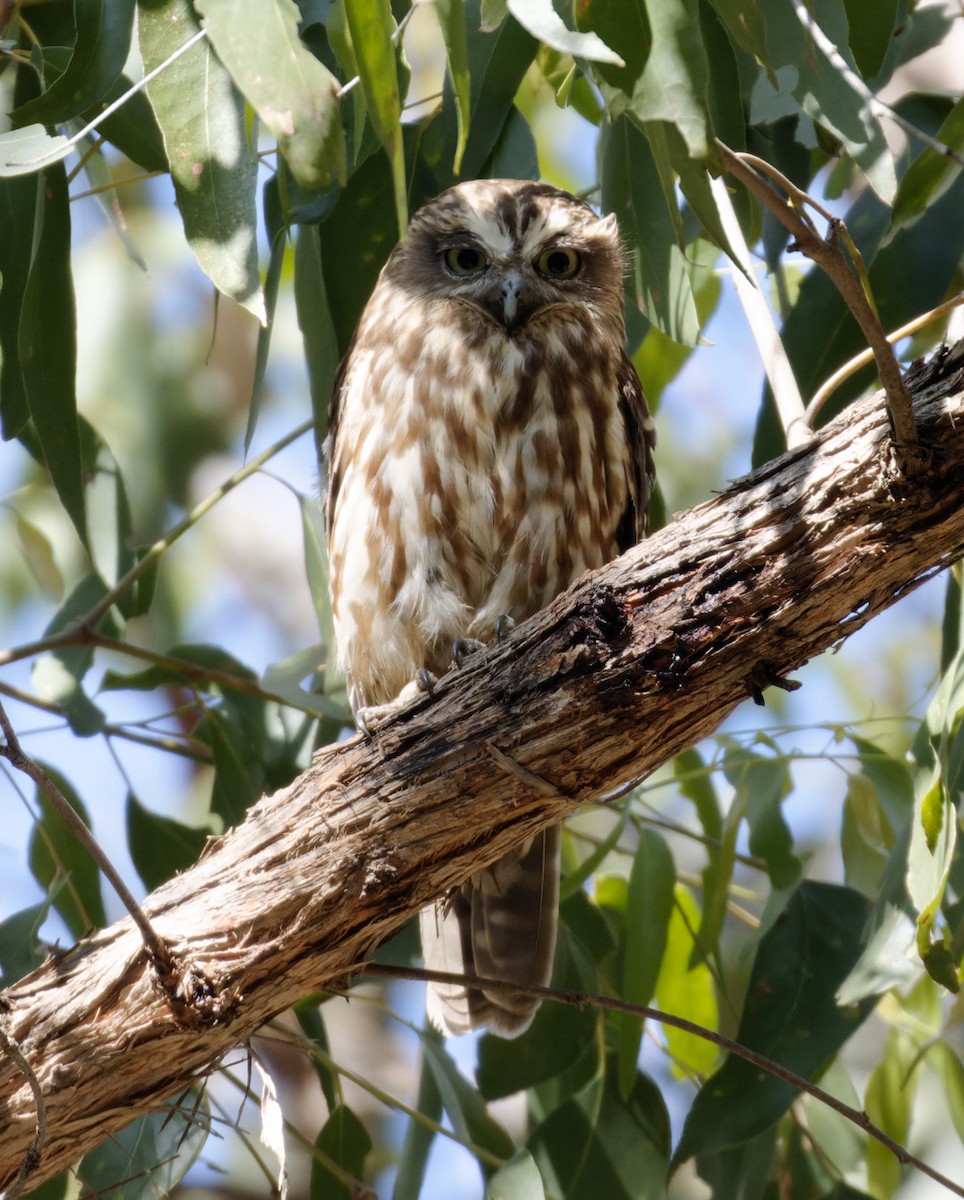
pixel 369 717
pixel 503 627
pixel 464 648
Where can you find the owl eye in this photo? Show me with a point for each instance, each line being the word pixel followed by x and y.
pixel 558 263
pixel 465 260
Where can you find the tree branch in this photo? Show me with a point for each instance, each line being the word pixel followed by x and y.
pixel 631 665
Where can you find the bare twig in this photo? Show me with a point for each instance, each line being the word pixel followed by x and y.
pixel 826 390
pixel 589 1000
pixel 827 254
pixel 32 1155
pixel 11 750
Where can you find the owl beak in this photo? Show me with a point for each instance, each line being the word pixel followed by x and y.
pixel 510 289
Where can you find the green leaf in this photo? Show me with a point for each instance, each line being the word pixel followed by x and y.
pixel 790 1015
pixel 317 329
pixel 18 203
pixel 930 174
pixel 48 345
pixel 617 1149
pixel 38 554
pixel 26 151
pixel 215 173
pixel 294 94
pixel 519 1179
pixel 686 989
pixel 104 29
pixel 888 1100
pixel 238 762
pixel 108 510
pixel 648 911
pixel 20 947
pixel 762 784
pixel 418 1137
pixel 345 1142
pixel 549 1047
pixel 54 852
pixel 371 24
pixel 871 25
pixel 159 846
pixel 933 838
pixel 666 76
pixel 631 188
pixel 544 23
pixel 150 1156
pixel 822 76
pixel 465 1107
pixel 451 19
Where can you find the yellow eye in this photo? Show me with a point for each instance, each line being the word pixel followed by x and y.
pixel 465 260
pixel 558 263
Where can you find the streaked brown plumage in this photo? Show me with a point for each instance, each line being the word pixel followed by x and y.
pixel 490 442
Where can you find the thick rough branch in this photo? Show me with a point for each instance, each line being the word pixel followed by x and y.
pixel 630 666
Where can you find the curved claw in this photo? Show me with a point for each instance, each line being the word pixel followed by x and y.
pixel 464 648
pixel 503 627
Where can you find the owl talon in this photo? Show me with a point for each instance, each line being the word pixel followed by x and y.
pixel 503 627
pixel 464 648
pixel 425 681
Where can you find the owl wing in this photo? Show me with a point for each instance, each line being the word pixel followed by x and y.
pixel 640 441
pixel 329 470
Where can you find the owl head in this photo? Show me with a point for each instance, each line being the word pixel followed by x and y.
pixel 513 251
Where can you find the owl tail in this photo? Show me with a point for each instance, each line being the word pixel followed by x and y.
pixel 500 924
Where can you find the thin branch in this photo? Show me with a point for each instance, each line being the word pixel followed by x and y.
pixel 33 1152
pixel 583 1000
pixel 11 750
pixel 827 254
pixel 826 389
pixel 84 626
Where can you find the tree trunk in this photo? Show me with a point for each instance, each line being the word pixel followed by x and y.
pixel 630 666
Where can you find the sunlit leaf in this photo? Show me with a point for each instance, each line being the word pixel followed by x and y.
pixel 544 23
pixel 519 1179
pixel 371 25
pixel 294 94
pixel 686 988
pixel 649 908
pixel 201 115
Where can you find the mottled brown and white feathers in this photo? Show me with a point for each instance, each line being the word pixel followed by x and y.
pixel 490 442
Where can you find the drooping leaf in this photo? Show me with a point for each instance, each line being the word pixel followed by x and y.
pixel 294 94
pixel 371 24
pixel 48 345
pixel 544 23
pixel 686 988
pixel 649 908
pixel 18 204
pixel 54 853
pixel 201 116
pixel 631 188
pixel 451 19
pixel 418 1137
pixel 790 1015
pixel 519 1179
pixel 464 1106
pixel 101 47
pixel 160 847
pixel 344 1142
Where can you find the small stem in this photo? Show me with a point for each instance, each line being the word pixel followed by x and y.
pixel 587 999
pixel 11 750
pixel 32 1155
pixel 827 254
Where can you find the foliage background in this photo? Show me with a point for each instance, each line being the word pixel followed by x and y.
pixel 176 391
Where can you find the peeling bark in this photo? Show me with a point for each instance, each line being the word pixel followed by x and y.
pixel 633 664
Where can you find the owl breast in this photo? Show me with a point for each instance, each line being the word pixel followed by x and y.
pixel 486 473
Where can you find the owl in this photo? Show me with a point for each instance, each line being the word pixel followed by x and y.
pixel 489 442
